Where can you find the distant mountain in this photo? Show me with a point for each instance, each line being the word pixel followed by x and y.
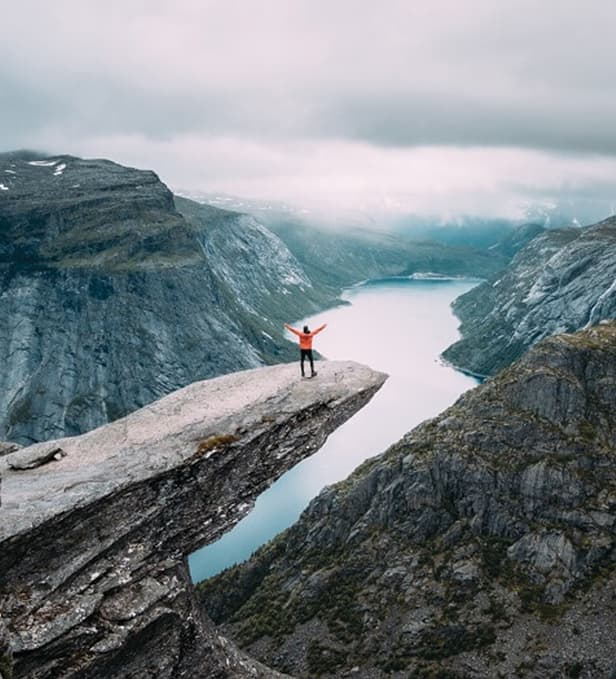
pixel 558 214
pixel 394 216
pixel 515 239
pixel 476 232
pixel 341 257
pixel 480 545
pixel 468 233
pixel 111 296
pixel 561 281
pixel 486 233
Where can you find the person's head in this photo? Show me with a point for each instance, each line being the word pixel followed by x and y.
pixel 306 330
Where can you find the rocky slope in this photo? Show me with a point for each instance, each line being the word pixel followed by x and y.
pixel 482 544
pixel 263 277
pixel 111 297
pixel 515 239
pixel 563 280
pixel 95 529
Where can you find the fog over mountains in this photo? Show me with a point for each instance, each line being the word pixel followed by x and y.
pixel 455 229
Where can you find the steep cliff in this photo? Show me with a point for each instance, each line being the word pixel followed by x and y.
pixel 111 298
pixel 264 278
pixel 482 544
pixel 95 529
pixel 562 281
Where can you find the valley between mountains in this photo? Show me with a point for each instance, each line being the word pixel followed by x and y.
pixel 143 410
pixel 113 292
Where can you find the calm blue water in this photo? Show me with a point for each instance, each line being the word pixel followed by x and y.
pixel 398 326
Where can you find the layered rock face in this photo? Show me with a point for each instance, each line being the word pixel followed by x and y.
pixel 562 281
pixel 110 298
pixel 95 529
pixel 263 277
pixel 482 544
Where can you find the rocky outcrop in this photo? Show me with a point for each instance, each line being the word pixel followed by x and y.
pixel 482 544
pixel 111 297
pixel 95 529
pixel 562 281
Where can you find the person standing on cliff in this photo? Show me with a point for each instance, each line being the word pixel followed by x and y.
pixel 305 345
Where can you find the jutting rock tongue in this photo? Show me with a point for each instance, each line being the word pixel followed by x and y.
pixel 95 529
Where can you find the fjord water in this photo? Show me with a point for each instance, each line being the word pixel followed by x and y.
pixel 398 326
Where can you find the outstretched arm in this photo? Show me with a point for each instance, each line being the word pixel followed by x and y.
pixel 322 327
pixel 293 330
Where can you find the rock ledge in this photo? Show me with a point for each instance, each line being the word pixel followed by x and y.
pixel 95 529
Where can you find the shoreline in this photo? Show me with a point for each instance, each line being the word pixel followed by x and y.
pixel 470 373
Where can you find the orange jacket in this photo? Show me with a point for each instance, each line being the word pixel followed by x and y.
pixel 305 338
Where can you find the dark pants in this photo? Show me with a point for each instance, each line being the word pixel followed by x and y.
pixel 307 353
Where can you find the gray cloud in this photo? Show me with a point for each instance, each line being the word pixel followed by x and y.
pixel 141 77
pixel 415 120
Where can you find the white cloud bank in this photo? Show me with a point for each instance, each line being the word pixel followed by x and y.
pixel 442 106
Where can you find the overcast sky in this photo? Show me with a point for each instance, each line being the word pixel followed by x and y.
pixel 444 106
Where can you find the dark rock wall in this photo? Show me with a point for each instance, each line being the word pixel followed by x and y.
pixel 85 347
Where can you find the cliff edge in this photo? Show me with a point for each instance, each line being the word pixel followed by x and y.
pixel 95 529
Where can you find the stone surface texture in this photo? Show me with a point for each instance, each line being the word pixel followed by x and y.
pixel 562 281
pixel 482 544
pixel 95 529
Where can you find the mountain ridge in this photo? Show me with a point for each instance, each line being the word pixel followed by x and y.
pixel 561 281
